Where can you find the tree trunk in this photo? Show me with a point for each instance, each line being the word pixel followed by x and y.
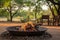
pixel 36 13
pixel 51 11
pixel 11 17
pixel 58 10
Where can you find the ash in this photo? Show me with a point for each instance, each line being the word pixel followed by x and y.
pixel 5 36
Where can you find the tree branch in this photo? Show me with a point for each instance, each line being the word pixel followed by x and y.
pixel 15 12
pixel 54 2
pixel 50 8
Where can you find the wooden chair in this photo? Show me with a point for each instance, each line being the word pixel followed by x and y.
pixel 45 17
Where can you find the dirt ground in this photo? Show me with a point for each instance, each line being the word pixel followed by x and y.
pixel 53 30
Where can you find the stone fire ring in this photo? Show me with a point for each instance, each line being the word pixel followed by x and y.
pixel 14 31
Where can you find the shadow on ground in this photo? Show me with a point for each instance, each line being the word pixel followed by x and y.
pixel 6 36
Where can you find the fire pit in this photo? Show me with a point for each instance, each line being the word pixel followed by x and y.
pixel 15 32
pixel 26 31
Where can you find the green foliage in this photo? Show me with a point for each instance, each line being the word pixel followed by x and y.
pixel 21 14
pixel 3 13
pixel 20 2
pixel 55 11
pixel 4 3
pixel 37 8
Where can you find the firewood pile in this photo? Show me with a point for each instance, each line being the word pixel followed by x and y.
pixel 29 26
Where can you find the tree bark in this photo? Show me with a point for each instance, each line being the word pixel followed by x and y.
pixel 58 3
pixel 36 13
pixel 54 2
pixel 11 17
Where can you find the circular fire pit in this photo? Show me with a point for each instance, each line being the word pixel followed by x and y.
pixel 15 31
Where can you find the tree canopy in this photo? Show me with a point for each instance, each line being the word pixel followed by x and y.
pixel 12 8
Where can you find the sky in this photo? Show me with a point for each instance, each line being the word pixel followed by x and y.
pixel 44 7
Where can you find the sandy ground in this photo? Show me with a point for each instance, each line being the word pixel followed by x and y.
pixel 53 30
